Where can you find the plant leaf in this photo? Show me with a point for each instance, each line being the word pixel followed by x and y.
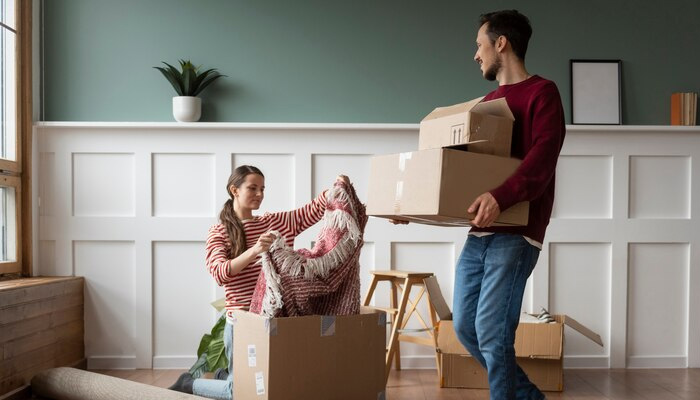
pixel 203 344
pixel 216 355
pixel 171 78
pixel 217 331
pixel 200 367
pixel 207 82
pixel 178 78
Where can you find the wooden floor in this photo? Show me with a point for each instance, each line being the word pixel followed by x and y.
pixel 579 384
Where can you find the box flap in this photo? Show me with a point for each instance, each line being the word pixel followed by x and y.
pixel 447 339
pixel 497 107
pixel 436 298
pixel 453 109
pixel 535 340
pixel 582 329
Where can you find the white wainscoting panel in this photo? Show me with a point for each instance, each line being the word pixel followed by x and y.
pixel 175 194
pixel 586 191
pixel 110 331
pixel 658 301
pixel 579 281
pixel 103 185
pixel 327 167
pixel 180 306
pixel 660 187
pixel 128 206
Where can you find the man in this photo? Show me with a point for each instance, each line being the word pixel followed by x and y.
pixel 496 261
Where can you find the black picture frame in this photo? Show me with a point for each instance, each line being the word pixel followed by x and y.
pixel 596 92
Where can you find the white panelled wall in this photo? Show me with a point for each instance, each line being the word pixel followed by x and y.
pixel 128 206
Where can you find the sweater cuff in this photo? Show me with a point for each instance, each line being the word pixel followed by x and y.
pixel 504 199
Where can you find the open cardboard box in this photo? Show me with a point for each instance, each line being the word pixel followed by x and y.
pixel 436 186
pixel 309 357
pixel 539 348
pixel 486 125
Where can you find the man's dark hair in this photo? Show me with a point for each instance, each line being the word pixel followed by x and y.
pixel 511 24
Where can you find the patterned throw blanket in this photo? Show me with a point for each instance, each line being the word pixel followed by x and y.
pixel 324 280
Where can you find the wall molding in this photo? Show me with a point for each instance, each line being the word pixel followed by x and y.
pixel 610 202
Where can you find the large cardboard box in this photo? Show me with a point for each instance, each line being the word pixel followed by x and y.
pixel 436 186
pixel 310 357
pixel 539 349
pixel 487 126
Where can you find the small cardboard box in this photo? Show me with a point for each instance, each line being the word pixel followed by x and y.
pixel 539 349
pixel 487 126
pixel 310 357
pixel 436 186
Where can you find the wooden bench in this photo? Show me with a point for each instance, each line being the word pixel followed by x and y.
pixel 41 327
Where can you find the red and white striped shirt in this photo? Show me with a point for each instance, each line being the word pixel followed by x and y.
pixel 239 288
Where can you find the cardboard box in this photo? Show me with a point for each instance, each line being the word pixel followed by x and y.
pixel 437 186
pixel 486 126
pixel 310 357
pixel 539 349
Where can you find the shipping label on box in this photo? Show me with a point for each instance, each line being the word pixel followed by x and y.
pixel 487 126
pixel 310 357
pixel 436 186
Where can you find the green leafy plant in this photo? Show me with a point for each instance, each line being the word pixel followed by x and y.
pixel 188 81
pixel 211 353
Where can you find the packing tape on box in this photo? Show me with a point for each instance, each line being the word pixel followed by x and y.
pixel 397 199
pixel 271 326
pixel 327 325
pixel 381 318
pixel 403 157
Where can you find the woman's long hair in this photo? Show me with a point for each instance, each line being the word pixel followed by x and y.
pixel 228 217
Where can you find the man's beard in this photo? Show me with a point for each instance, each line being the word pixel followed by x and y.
pixel 490 74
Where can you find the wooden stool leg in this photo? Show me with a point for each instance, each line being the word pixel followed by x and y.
pixel 394 304
pixel 394 342
pixel 370 292
pixel 434 333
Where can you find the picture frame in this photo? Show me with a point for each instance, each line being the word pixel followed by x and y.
pixel 596 92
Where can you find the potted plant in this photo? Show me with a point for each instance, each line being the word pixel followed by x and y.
pixel 188 82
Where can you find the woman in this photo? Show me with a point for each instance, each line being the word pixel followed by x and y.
pixel 233 252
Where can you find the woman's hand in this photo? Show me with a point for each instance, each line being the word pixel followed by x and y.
pixel 343 178
pixel 264 242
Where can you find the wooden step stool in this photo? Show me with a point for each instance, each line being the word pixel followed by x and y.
pixel 404 281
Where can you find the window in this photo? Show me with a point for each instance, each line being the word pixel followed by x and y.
pixel 15 124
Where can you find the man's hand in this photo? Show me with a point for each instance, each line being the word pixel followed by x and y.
pixel 486 209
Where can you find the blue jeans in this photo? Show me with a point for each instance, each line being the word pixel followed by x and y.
pixel 489 285
pixel 217 388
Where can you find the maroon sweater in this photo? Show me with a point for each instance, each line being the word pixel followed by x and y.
pixel 538 134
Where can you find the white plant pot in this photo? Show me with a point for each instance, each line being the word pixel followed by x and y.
pixel 187 108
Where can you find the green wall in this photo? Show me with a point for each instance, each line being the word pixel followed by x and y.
pixel 345 61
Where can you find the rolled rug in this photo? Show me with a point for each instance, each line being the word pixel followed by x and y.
pixel 324 280
pixel 75 384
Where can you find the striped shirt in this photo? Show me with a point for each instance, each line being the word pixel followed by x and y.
pixel 239 288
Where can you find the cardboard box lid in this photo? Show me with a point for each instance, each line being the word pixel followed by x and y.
pixel 578 327
pixel 498 107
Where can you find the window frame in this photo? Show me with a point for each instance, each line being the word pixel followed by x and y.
pixel 17 173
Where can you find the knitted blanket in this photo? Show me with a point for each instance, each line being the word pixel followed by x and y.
pixel 324 280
